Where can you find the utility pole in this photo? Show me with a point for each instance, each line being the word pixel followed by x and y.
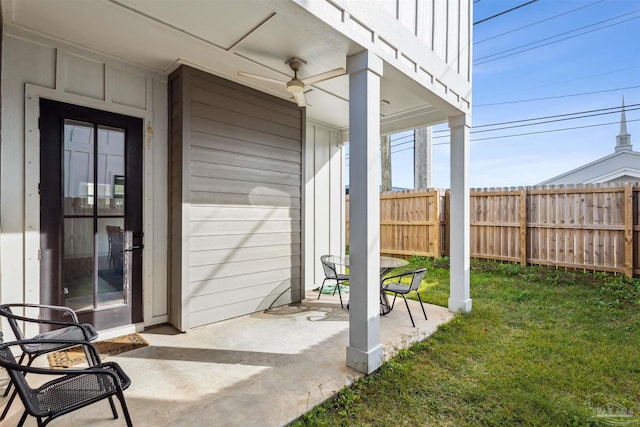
pixel 422 158
pixel 385 143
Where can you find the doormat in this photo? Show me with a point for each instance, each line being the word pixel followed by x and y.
pixel 330 289
pixel 111 347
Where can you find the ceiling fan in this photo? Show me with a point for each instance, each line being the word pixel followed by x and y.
pixel 296 86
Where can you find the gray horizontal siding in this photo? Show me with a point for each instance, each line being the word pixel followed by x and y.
pixel 241 160
pixel 213 126
pixel 247 303
pixel 220 228
pixel 229 269
pixel 237 186
pixel 237 241
pixel 204 170
pixel 247 280
pixel 209 198
pixel 221 256
pixel 238 146
pixel 245 195
pixel 216 213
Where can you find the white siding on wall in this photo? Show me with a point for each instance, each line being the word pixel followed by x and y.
pixel 407 12
pixel 83 76
pixel 441 24
pixel 128 88
pixel 324 208
pixel 427 40
pixel 47 68
pixel 424 22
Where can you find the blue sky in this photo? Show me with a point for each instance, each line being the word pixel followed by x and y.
pixel 605 57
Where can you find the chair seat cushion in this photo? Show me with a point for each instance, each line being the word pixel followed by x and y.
pixel 73 333
pixel 399 288
pixel 343 277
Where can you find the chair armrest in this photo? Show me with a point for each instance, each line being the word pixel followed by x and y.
pixel 92 370
pixel 65 310
pixel 30 369
pixel 43 321
pixel 406 273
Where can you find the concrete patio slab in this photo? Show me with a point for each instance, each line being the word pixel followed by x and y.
pixel 264 369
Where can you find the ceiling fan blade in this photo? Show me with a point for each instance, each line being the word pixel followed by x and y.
pixel 258 77
pixel 324 76
pixel 301 100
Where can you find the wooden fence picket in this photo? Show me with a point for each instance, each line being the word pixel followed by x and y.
pixel 590 227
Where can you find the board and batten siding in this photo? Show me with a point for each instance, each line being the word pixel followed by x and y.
pixel 236 197
pixel 35 67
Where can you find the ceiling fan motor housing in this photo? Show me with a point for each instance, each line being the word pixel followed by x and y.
pixel 295 86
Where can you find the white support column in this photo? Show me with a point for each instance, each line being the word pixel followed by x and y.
pixel 364 351
pixel 459 288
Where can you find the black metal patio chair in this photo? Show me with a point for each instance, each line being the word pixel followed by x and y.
pixel 69 389
pixel 70 332
pixel 399 288
pixel 330 273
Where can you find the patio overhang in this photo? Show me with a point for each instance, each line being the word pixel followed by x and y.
pixel 226 37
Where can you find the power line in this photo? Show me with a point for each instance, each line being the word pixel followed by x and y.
pixel 550 131
pixel 555 97
pixel 530 119
pixel 528 133
pixel 591 76
pixel 481 61
pixel 555 119
pixel 522 123
pixel 536 23
pixel 560 34
pixel 402 137
pixel 550 121
pixel 599 110
pixel 504 12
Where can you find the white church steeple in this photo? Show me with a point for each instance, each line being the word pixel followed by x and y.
pixel 623 140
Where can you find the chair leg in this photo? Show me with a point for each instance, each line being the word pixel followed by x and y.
pixel 339 293
pixel 22 419
pixel 125 410
pixel 113 408
pixel 409 310
pixel 321 286
pixel 8 389
pixel 393 303
pixel 422 305
pixel 6 408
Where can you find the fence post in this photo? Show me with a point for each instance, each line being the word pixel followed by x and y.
pixel 436 229
pixel 523 226
pixel 447 221
pixel 628 230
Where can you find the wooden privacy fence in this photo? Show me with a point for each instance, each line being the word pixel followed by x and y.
pixel 590 227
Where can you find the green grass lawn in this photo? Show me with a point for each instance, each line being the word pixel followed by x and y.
pixel 541 347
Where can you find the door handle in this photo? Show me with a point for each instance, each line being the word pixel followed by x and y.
pixel 134 248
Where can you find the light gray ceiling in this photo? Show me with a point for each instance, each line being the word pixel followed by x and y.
pixel 221 37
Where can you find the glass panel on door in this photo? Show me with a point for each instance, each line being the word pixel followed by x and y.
pixel 93 266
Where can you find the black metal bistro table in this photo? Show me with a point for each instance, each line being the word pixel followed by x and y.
pixel 387 264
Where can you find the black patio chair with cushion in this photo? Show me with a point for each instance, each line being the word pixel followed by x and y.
pixel 70 331
pixel 399 288
pixel 69 389
pixel 330 273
